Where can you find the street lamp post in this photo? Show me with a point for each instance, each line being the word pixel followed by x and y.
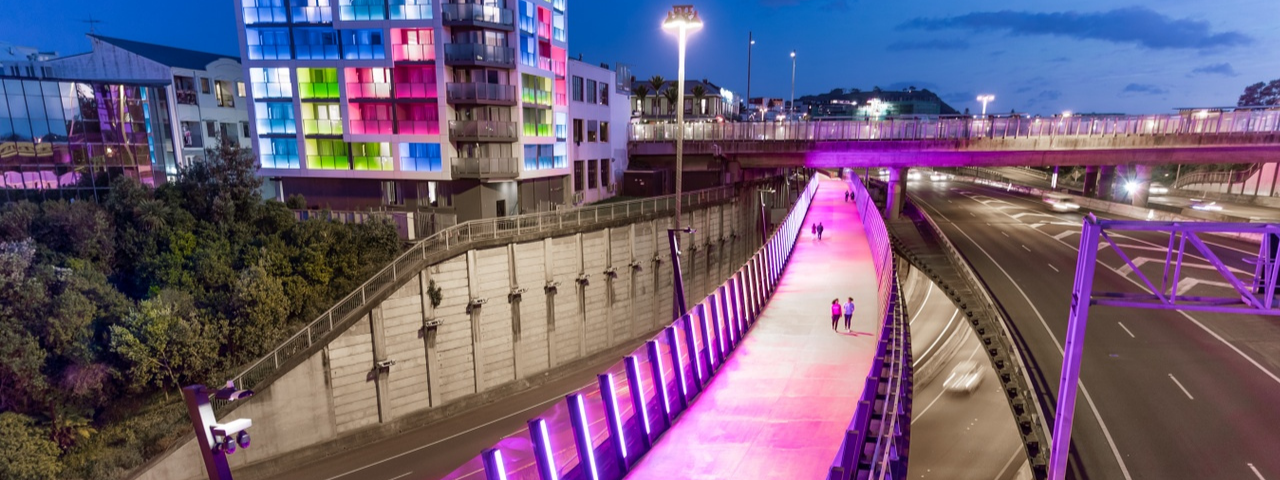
pixel 682 19
pixel 793 80
pixel 751 42
pixel 985 99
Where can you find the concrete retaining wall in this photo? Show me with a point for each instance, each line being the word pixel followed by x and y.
pixel 535 315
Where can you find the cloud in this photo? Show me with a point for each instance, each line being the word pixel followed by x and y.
pixel 1130 25
pixel 1045 96
pixel 1223 69
pixel 928 45
pixel 1144 89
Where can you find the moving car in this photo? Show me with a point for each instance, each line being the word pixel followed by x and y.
pixel 1061 202
pixel 964 378
pixel 1158 189
pixel 939 177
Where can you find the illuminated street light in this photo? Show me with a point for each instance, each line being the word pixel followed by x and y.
pixel 750 43
pixel 793 80
pixel 682 19
pixel 985 99
pixel 1066 114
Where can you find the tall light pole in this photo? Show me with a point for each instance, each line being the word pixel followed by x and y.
pixel 751 42
pixel 682 19
pixel 985 99
pixel 793 80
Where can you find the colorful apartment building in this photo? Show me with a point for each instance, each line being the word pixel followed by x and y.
pixel 455 107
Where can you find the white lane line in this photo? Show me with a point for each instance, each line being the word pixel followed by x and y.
pixel 925 354
pixel 401 476
pixel 1024 247
pixel 1106 433
pixel 1255 471
pixel 1184 389
pixel 1126 330
pixel 1005 234
pixel 917 416
pixel 1055 269
pixel 972 215
pixel 1016 452
pixel 922 304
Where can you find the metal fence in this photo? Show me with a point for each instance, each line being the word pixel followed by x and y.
pixel 458 238
pixel 926 128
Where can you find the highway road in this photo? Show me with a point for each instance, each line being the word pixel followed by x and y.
pixel 1167 395
pixel 955 435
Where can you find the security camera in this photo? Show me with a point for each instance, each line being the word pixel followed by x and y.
pixel 227 435
pixel 386 364
pixel 230 393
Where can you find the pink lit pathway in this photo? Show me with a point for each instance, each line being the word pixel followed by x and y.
pixel 781 406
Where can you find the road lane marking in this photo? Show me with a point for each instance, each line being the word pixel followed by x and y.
pixel 1024 247
pixel 922 304
pixel 1126 330
pixel 1055 269
pixel 402 475
pixel 1016 451
pixel 1184 389
pixel 1255 471
pixel 925 354
pixel 972 215
pixel 935 399
pixel 1005 234
pixel 1106 433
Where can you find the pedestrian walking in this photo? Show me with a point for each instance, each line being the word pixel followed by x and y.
pixel 846 197
pixel 813 228
pixel 819 230
pixel 848 315
pixel 835 314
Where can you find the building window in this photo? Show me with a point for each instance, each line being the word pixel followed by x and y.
pixel 559 153
pixel 267 43
pixel 562 126
pixel 279 153
pixel 371 156
pixel 415 81
pixel 315 43
pixel 368 82
pixel 604 94
pixel 592 130
pixel 363 45
pixel 275 118
pixel 321 119
pixel 244 129
pixel 420 157
pixel 204 86
pixel 537 122
pixel 557 25
pixel 539 157
pixel 222 90
pixel 561 92
pixel 391 194
pixel 528 17
pixel 317 83
pixel 370 118
pixel 591 92
pixel 327 155
pixel 604 132
pixel 312 11
pixel 270 83
pixel 434 194
pixel 229 132
pixel 413 44
pixel 264 11
pixel 362 10
pixel 593 174
pixel 606 171
pixel 528 50
pixel 536 90
pixel 184 89
pixel 577 89
pixel 579 175
pixel 418 118
pixel 240 89
pixel 211 129
pixel 577 130
pixel 191 135
pixel 410 9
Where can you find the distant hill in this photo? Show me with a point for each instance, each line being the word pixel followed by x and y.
pixel 903 102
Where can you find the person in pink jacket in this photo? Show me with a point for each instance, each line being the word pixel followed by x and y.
pixel 835 313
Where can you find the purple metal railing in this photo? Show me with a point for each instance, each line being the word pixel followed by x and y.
pixel 669 372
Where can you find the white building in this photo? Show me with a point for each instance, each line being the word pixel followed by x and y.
pixel 205 97
pixel 598 114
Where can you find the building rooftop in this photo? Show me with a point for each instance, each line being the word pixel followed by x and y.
pixel 165 55
pixel 18 53
pixel 712 89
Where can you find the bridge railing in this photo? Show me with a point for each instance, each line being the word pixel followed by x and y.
pixel 639 398
pixel 928 128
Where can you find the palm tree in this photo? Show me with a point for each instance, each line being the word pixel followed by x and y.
pixel 673 96
pixel 657 82
pixel 641 92
pixel 699 92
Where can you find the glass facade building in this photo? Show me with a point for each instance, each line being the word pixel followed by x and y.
pixel 367 103
pixel 70 139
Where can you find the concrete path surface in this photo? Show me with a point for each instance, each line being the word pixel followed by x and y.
pixel 781 406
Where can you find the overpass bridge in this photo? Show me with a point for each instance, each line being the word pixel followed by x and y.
pixel 1242 136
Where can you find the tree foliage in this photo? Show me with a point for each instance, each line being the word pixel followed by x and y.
pixel 1260 94
pixel 28 452
pixel 107 308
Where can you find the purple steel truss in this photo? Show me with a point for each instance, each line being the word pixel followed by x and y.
pixel 1256 296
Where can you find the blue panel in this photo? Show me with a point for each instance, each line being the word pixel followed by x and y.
pixel 364 44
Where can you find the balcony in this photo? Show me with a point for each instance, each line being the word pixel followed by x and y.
pixel 486 168
pixel 187 97
pixel 482 131
pixel 479 55
pixel 474 15
pixel 481 94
